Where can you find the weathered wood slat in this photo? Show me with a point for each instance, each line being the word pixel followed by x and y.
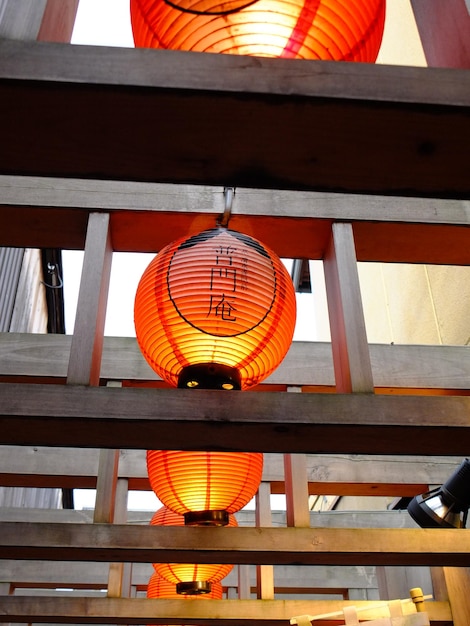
pixel 306 363
pixel 224 612
pixel 83 574
pixel 284 546
pixel 144 199
pixel 327 475
pixel 269 422
pixel 408 126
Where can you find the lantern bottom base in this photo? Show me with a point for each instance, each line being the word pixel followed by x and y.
pixel 209 376
pixel 194 588
pixel 206 518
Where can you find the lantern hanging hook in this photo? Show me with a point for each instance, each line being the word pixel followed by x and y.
pixel 223 221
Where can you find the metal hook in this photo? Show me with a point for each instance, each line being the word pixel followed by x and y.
pixel 229 192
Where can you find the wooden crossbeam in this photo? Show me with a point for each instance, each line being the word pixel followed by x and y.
pixel 145 217
pixel 269 422
pixel 161 611
pixel 35 466
pixel 306 363
pixel 345 127
pixel 284 546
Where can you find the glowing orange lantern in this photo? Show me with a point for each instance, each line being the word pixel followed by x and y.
pixel 158 587
pixel 190 579
pixel 215 310
pixel 338 30
pixel 204 486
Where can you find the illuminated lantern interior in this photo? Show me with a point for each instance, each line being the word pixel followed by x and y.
pixel 204 486
pixel 190 579
pixel 216 310
pixel 337 30
pixel 158 587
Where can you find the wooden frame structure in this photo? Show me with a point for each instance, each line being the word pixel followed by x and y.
pixel 108 149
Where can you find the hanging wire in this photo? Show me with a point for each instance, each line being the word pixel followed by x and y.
pixel 229 192
pixel 56 278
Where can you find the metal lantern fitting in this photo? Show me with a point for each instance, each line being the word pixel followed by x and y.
pixel 158 587
pixel 337 30
pixel 190 579
pixel 204 487
pixel 215 311
pixel 446 506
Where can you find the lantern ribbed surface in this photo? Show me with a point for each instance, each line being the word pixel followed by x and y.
pixel 158 587
pixel 184 572
pixel 338 30
pixel 218 297
pixel 203 481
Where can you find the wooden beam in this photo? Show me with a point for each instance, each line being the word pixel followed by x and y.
pixel 25 466
pixel 347 127
pixel 76 416
pixel 85 575
pixel 351 358
pixel 87 341
pixel 285 546
pixel 58 21
pixel 444 32
pixel 306 364
pixel 144 200
pixel 263 519
pixel 325 519
pixel 224 612
pixel 409 232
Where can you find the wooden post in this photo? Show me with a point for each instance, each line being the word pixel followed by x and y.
pixel 58 21
pixel 444 29
pixel 458 583
pixel 42 20
pixel 296 485
pixel 351 359
pixel 264 573
pixel 244 587
pixel 120 574
pixel 87 341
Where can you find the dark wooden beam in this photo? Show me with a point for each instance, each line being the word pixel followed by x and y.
pixel 161 611
pixel 282 546
pixel 77 416
pixel 181 117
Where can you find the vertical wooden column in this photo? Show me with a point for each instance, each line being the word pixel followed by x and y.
pixel 264 573
pixel 244 584
pixel 42 20
pixel 296 485
pixel 58 21
pixel 120 574
pixel 457 580
pixel 444 29
pixel 351 359
pixel 87 343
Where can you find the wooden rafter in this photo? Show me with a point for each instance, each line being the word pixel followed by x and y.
pixel 269 422
pixel 224 612
pixel 293 546
pixel 228 120
pixel 307 364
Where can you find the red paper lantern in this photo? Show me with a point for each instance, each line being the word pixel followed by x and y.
pixel 215 310
pixel 158 587
pixel 190 579
pixel 204 486
pixel 337 30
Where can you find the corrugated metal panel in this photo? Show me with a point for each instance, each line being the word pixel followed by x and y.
pixel 29 497
pixel 11 260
